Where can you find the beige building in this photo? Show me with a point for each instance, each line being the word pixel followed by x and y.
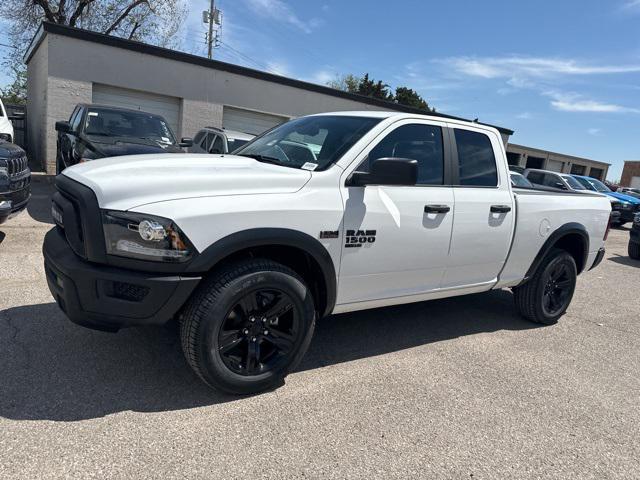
pixel 67 66
pixel 528 157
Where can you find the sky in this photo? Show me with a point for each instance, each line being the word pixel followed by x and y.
pixel 564 74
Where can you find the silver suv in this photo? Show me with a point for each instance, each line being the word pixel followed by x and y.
pixel 218 140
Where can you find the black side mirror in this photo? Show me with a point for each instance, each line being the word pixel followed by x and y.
pixel 186 142
pixel 63 126
pixel 387 171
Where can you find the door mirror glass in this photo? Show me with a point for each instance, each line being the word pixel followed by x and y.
pixel 186 142
pixel 63 127
pixel 387 171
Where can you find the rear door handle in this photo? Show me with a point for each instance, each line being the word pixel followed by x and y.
pixel 436 208
pixel 500 208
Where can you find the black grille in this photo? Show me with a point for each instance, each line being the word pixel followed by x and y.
pixel 17 166
pixel 129 291
pixel 71 221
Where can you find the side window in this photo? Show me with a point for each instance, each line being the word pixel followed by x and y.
pixel 217 146
pixel 536 177
pixel 477 163
pixel 75 122
pixel 208 141
pixel 199 136
pixel 417 142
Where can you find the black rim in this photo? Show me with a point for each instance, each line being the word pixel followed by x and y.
pixel 557 289
pixel 259 333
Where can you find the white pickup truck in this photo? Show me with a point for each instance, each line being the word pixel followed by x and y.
pixel 324 214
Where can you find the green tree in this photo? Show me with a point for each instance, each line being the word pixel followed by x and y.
pixel 408 96
pixel 152 21
pixel 346 83
pixel 370 88
pixel 16 92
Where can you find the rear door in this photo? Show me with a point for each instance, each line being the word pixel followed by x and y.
pixel 483 219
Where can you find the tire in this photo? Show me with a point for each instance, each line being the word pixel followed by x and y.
pixel 634 250
pixel 237 333
pixel 532 299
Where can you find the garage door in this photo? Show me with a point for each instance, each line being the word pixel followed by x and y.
pixel 554 165
pixel 248 121
pixel 168 107
pixel 635 182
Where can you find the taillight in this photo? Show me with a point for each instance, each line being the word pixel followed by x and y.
pixel 606 233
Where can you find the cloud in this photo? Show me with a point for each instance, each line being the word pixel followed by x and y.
pixel 321 77
pixel 520 68
pixel 573 102
pixel 594 131
pixel 630 5
pixel 524 116
pixel 280 11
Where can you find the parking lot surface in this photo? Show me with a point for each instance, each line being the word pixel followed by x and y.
pixel 456 388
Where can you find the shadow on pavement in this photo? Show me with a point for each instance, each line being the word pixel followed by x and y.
pixel 52 369
pixel 39 207
pixel 630 262
pixel 2 235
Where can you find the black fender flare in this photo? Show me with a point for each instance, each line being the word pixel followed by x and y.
pixel 564 230
pixel 259 237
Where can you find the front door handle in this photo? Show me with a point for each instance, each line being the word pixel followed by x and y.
pixel 500 208
pixel 436 208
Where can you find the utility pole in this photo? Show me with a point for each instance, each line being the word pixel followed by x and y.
pixel 210 37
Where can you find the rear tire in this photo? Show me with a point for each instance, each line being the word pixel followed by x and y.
pixel 634 250
pixel 248 326
pixel 547 295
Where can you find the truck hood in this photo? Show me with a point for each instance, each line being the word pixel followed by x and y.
pixel 123 183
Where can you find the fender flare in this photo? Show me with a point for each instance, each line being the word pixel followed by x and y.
pixel 564 230
pixel 262 237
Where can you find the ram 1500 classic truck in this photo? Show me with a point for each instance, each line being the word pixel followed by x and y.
pixel 324 214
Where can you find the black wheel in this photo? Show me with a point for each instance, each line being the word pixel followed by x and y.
pixel 634 250
pixel 248 326
pixel 547 295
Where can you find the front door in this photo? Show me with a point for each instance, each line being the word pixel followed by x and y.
pixel 397 237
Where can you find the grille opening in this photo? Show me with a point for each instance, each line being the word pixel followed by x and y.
pixel 126 291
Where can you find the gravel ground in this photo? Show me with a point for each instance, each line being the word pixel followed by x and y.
pixel 457 388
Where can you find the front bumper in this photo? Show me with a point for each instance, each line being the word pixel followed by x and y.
pixel 12 203
pixel 108 298
pixel 627 215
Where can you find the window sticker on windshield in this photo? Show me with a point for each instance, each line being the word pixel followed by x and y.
pixel 93 114
pixel 309 166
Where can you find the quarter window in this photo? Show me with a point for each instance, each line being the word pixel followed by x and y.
pixel 416 142
pixel 217 146
pixel 477 163
pixel 76 117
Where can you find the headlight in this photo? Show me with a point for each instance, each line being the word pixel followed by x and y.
pixel 145 237
pixel 626 206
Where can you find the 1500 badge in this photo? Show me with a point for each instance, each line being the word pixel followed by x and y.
pixel 357 238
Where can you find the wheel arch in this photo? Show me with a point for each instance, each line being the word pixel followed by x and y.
pixel 570 237
pixel 297 250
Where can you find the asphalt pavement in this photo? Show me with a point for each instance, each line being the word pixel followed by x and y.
pixel 455 388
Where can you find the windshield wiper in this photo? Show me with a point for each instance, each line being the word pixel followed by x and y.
pixel 262 158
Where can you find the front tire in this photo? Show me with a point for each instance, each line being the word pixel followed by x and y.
pixel 547 295
pixel 634 250
pixel 248 326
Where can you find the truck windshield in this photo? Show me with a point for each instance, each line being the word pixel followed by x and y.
pixel 120 123
pixel 312 143
pixel 598 185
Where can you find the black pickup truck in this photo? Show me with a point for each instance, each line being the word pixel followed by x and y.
pixel 15 180
pixel 634 240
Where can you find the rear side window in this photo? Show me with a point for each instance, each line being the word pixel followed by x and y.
pixel 217 145
pixel 416 142
pixel 535 177
pixel 477 163
pixel 198 138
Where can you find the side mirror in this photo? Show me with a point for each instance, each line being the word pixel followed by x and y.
pixel 561 186
pixel 387 171
pixel 186 142
pixel 63 127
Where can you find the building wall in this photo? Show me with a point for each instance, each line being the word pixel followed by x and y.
pixel 37 75
pixel 549 160
pixel 630 170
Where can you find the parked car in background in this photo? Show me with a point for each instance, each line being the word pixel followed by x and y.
pixel 219 140
pixel 97 131
pixel 323 214
pixel 634 239
pixel 517 169
pixel 630 205
pixel 6 127
pixel 548 178
pixel 15 180
pixel 519 180
pixel 634 192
